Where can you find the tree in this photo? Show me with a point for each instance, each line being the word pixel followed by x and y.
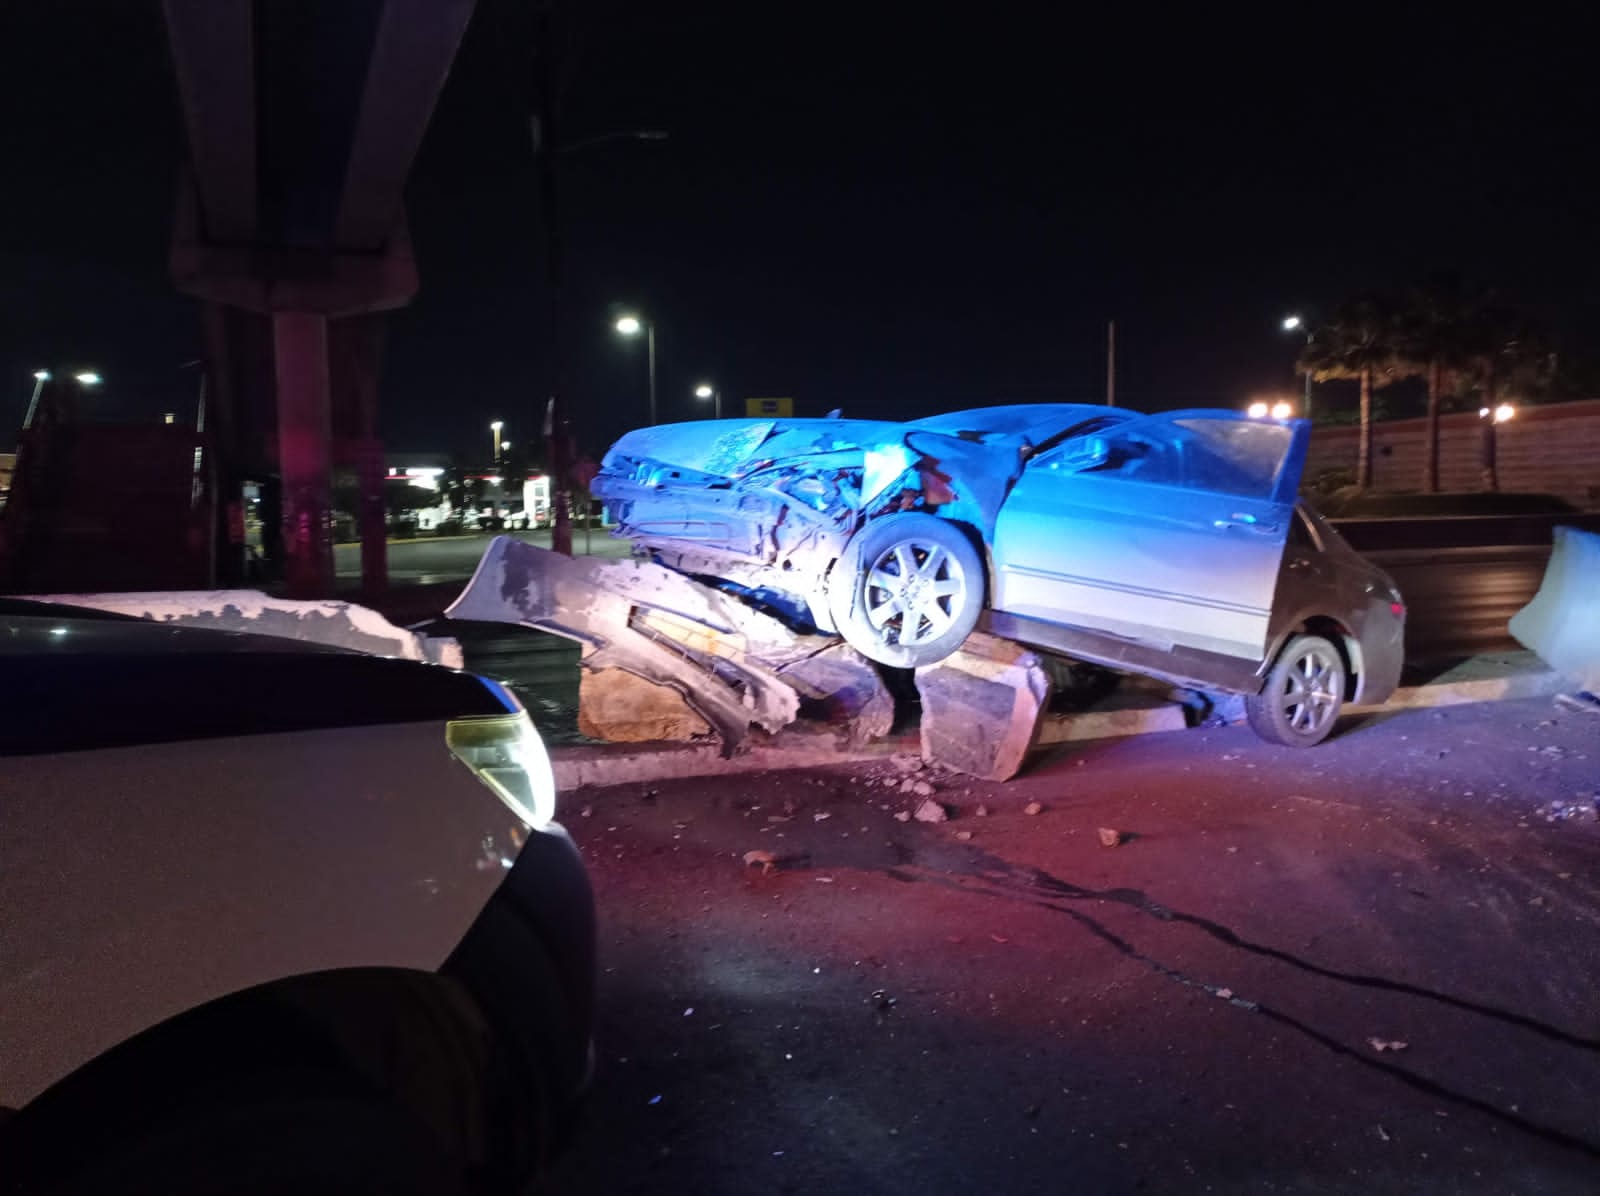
pixel 1357 343
pixel 1433 332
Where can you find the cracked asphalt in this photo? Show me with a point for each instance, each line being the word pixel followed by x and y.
pixel 1365 967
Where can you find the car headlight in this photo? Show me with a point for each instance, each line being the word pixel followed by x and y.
pixel 504 751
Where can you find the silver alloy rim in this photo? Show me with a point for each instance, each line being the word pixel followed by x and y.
pixel 1312 691
pixel 913 592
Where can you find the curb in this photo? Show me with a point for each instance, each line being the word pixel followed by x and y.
pixel 1510 676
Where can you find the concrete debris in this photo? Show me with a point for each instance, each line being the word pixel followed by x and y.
pixel 622 707
pixel 1582 702
pixel 1381 1045
pixel 821 816
pixel 902 816
pixel 1582 808
pixel 1033 807
pixel 766 859
pixel 922 789
pixel 932 811
pixel 907 763
pixel 982 707
pixel 1110 837
pixel 982 811
pixel 964 835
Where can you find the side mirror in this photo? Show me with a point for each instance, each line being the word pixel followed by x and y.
pixel 1084 453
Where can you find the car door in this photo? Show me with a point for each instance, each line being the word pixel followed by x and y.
pixel 1168 530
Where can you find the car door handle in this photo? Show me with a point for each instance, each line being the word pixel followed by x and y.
pixel 1248 522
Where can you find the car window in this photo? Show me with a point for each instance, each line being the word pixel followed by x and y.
pixel 1229 456
pixel 1142 459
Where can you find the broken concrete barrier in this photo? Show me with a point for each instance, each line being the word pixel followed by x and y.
pixel 618 707
pixel 982 707
pixel 714 657
pixel 1562 623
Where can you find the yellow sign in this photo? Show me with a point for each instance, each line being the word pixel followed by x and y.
pixel 770 408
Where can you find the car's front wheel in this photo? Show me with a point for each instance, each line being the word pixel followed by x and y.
pixel 1303 695
pixel 908 590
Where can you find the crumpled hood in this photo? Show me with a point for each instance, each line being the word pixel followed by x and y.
pixel 730 447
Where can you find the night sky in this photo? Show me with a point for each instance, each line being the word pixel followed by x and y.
pixel 891 209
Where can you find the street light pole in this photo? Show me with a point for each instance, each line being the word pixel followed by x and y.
pixel 495 429
pixel 40 377
pixel 1492 419
pixel 707 391
pixel 1296 323
pixel 650 336
pixel 633 326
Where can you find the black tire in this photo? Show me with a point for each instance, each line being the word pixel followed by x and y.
pixel 1303 696
pixel 908 590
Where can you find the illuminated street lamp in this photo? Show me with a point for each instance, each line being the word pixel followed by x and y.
pixel 1492 419
pixel 632 326
pixel 494 429
pixel 1256 410
pixel 1296 323
pixel 87 378
pixel 706 391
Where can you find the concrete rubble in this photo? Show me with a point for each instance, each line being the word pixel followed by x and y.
pixel 983 707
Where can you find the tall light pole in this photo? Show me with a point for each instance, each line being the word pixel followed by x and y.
pixel 706 391
pixel 1297 324
pixel 495 429
pixel 1492 419
pixel 40 377
pixel 632 326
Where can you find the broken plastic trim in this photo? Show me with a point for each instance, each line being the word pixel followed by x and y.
pixel 504 751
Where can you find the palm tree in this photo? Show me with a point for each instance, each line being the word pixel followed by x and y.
pixel 1358 343
pixel 1433 341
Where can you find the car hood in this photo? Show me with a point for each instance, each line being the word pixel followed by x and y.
pixel 734 447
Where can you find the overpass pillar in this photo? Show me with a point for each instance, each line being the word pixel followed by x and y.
pixel 300 363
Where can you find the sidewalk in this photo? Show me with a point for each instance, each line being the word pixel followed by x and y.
pixel 1133 710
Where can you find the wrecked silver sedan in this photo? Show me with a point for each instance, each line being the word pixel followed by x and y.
pixel 1171 544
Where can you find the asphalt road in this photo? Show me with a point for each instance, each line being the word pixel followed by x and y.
pixel 1367 967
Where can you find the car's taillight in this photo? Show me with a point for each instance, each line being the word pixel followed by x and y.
pixel 1397 609
pixel 506 754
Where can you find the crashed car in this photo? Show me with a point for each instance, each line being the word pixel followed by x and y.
pixel 1170 544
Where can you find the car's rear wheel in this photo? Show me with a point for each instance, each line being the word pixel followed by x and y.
pixel 908 590
pixel 1303 696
